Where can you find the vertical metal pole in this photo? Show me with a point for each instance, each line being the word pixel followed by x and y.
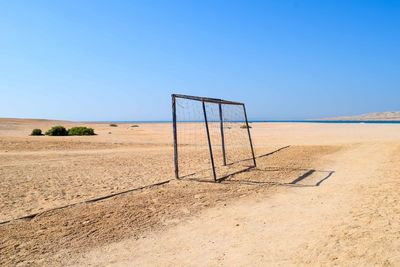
pixel 221 123
pixel 209 141
pixel 175 137
pixel 248 132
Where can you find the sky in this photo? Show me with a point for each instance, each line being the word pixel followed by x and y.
pixel 121 60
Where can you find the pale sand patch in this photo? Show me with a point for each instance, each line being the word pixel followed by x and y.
pixel 352 220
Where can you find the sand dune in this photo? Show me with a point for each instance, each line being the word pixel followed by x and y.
pixel 377 116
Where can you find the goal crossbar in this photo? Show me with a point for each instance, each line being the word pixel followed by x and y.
pixel 207 99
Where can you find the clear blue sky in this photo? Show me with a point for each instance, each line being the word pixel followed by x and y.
pixel 121 60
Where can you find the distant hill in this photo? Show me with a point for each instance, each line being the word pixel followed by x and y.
pixel 377 116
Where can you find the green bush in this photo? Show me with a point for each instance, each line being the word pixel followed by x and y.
pixel 135 125
pixel 244 126
pixel 36 132
pixel 57 131
pixel 113 125
pixel 81 131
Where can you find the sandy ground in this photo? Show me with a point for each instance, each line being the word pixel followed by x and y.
pixel 322 194
pixel 39 173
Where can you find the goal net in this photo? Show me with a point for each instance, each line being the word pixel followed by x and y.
pixel 211 138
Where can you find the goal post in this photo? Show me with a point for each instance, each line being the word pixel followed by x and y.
pixel 210 134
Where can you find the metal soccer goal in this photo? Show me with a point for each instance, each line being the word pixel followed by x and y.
pixel 210 135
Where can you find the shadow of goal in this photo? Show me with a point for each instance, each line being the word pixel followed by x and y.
pixel 211 137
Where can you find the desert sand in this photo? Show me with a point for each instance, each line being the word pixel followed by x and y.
pixel 322 194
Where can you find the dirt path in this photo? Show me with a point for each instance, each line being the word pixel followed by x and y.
pixel 351 219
